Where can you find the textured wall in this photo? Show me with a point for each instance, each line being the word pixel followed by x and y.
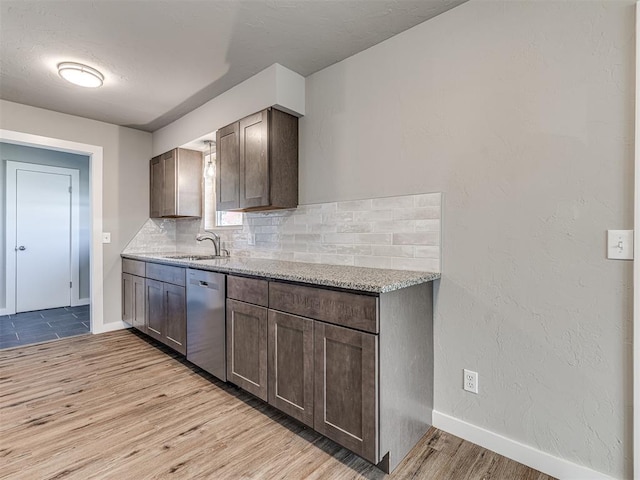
pixel 522 114
pixel 125 177
pixel 41 156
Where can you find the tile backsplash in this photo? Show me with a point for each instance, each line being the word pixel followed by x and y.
pixel 401 232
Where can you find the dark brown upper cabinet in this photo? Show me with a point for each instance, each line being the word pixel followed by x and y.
pixel 176 184
pixel 257 162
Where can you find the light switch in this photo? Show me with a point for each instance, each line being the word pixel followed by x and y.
pixel 620 244
pixel 106 237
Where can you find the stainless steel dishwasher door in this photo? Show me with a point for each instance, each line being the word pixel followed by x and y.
pixel 206 331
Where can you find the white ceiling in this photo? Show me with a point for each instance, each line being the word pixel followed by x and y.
pixel 163 58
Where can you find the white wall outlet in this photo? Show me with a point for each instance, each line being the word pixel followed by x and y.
pixel 620 244
pixel 106 237
pixel 470 381
pixel 251 239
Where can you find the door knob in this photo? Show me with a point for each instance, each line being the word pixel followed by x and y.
pixel 21 248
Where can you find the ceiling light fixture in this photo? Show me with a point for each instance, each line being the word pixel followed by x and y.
pixel 80 74
pixel 210 170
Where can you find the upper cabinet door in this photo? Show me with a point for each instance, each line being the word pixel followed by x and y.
pixel 228 167
pixel 169 188
pixel 157 180
pixel 254 160
pixel 257 162
pixel 176 184
pixel 188 182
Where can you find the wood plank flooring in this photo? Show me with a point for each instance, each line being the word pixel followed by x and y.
pixel 114 406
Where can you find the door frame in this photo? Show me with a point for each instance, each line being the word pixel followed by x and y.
pixel 636 266
pixel 11 223
pixel 95 154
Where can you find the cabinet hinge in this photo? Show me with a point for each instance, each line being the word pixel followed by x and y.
pixel 70 284
pixel 69 189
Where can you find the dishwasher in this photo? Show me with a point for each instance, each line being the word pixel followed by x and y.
pixel 206 339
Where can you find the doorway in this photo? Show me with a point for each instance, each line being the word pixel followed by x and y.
pixel 42 237
pixel 95 154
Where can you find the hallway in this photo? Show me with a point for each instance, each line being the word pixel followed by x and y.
pixel 43 325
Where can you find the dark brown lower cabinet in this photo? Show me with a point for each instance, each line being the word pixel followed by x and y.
pixel 346 388
pixel 133 301
pixel 166 313
pixel 175 311
pixel 290 346
pixel 155 308
pixel 356 367
pixel 127 298
pixel 247 347
pixel 139 317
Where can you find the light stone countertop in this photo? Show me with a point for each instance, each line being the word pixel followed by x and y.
pixel 374 280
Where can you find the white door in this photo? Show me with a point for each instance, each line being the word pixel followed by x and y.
pixel 43 240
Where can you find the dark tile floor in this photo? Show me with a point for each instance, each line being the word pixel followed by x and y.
pixel 42 325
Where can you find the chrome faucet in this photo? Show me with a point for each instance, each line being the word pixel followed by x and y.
pixel 215 239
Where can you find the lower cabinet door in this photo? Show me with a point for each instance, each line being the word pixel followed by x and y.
pixel 155 308
pixel 127 298
pixel 139 318
pixel 175 310
pixel 247 347
pixel 290 346
pixel 346 389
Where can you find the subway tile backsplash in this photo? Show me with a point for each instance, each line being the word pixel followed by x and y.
pixel 402 232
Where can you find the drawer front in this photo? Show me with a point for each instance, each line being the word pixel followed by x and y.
pixel 250 290
pixel 166 273
pixel 134 267
pixel 340 308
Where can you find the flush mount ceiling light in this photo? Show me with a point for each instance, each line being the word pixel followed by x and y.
pixel 80 74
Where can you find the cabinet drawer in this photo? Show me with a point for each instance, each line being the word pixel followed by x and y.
pixel 250 290
pixel 166 273
pixel 341 308
pixel 134 267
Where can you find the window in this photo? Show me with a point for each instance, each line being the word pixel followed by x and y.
pixel 212 218
pixel 228 219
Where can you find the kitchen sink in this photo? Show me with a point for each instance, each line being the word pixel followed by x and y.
pixel 193 257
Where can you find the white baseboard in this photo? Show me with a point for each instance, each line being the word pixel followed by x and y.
pixel 5 311
pixel 544 462
pixel 110 327
pixel 82 301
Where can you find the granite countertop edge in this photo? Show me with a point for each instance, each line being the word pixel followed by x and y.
pixel 363 279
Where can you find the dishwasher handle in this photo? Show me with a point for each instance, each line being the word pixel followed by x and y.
pixel 201 283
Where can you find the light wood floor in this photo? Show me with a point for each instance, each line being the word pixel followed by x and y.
pixel 112 406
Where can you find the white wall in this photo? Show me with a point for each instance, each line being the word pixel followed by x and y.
pixel 20 153
pixel 126 154
pixel 274 86
pixel 522 114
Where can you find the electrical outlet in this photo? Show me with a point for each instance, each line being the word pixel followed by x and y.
pixel 470 381
pixel 251 239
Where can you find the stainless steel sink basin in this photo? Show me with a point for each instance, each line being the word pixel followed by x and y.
pixel 193 257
